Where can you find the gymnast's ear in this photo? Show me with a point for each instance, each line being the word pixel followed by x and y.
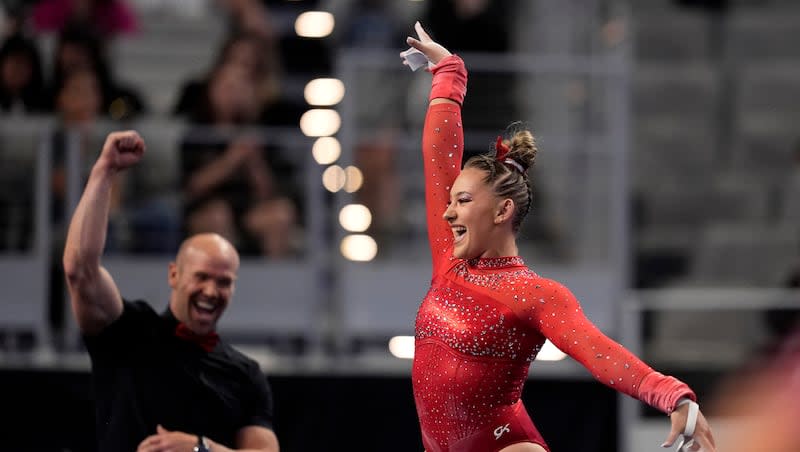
pixel 505 211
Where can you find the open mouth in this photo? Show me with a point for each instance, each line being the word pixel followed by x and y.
pixel 459 232
pixel 205 308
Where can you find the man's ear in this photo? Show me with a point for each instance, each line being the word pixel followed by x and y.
pixel 505 211
pixel 172 274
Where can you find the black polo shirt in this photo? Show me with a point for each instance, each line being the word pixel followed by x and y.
pixel 144 375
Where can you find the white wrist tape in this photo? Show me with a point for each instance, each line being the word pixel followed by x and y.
pixel 691 418
pixel 686 442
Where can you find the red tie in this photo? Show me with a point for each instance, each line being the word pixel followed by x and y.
pixel 207 341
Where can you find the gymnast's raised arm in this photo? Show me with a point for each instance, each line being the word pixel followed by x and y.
pixel 442 139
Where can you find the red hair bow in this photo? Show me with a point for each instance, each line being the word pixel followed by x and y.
pixel 501 148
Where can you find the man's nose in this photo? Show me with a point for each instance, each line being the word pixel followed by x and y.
pixel 210 289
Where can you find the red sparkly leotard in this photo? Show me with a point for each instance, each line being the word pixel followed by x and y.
pixel 483 322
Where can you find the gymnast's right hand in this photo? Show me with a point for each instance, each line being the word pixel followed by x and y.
pixel 121 150
pixel 432 50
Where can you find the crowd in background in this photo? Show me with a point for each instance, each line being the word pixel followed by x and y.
pixel 231 178
pixel 243 185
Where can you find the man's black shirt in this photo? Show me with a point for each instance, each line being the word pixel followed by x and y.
pixel 144 375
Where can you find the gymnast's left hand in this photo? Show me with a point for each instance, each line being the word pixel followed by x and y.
pixel 433 51
pixel 165 440
pixel 703 437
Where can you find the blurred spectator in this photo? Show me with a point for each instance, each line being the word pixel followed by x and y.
pixel 77 102
pixel 15 12
pixel 21 78
pixel 249 16
pixel 79 49
pixel 231 179
pixel 381 190
pixel 763 406
pixel 107 18
pixel 261 61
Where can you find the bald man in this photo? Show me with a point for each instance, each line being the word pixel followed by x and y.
pixel 162 381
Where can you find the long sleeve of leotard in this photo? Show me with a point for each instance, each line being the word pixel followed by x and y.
pixel 558 316
pixel 442 150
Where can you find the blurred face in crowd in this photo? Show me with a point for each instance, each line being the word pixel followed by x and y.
pixel 16 72
pixel 72 56
pixel 232 95
pixel 246 53
pixel 202 279
pixel 79 97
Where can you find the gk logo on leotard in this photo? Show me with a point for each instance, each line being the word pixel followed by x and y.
pixel 500 431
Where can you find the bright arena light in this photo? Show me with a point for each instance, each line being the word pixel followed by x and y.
pixel 333 178
pixel 402 347
pixel 354 179
pixel 550 352
pixel 355 217
pixel 324 91
pixel 320 122
pixel 314 24
pixel 359 247
pixel 326 150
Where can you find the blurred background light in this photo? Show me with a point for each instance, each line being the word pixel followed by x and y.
pixel 355 217
pixel 314 24
pixel 326 150
pixel 359 247
pixel 324 91
pixel 320 122
pixel 354 179
pixel 402 347
pixel 550 352
pixel 333 178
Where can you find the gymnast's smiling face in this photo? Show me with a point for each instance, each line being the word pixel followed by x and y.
pixel 478 218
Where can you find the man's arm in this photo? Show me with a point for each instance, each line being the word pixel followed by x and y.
pixel 96 301
pixel 255 438
pixel 248 439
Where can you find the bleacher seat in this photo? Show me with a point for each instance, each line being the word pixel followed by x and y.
pixel 689 89
pixel 670 150
pixel 763 144
pixel 761 33
pixel 671 35
pixel 742 254
pixel 769 87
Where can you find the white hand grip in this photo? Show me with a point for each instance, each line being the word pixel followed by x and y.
pixel 687 442
pixel 691 419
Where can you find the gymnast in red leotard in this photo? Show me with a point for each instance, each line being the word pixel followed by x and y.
pixel 486 314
